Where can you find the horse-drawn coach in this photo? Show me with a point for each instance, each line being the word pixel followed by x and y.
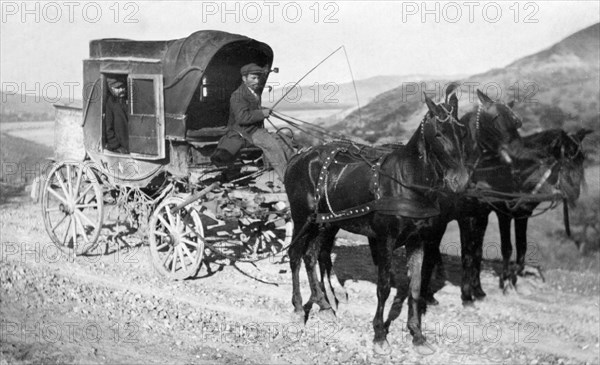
pixel 175 97
pixel 177 106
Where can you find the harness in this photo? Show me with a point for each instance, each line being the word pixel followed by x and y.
pixel 515 201
pixel 388 205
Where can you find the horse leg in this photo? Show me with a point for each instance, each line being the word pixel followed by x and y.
pixel 416 304
pixel 477 235
pixel 506 248
pixel 521 244
pixel 295 253
pixel 333 288
pixel 432 259
pixel 311 256
pixel 383 252
pixel 467 256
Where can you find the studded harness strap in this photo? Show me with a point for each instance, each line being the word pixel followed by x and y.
pixel 387 205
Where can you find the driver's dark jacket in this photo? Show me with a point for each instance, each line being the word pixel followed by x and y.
pixel 245 118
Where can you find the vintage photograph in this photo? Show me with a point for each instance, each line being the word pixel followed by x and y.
pixel 300 182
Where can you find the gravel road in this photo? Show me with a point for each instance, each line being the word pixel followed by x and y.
pixel 114 308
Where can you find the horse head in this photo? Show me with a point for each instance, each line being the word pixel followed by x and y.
pixel 493 127
pixel 570 155
pixel 557 165
pixel 442 145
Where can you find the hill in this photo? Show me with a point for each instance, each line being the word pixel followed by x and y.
pixel 557 87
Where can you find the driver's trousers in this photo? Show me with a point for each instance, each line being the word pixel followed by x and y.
pixel 277 149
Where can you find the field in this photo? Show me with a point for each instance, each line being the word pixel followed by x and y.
pixel 114 308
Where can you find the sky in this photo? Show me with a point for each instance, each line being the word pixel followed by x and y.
pixel 43 43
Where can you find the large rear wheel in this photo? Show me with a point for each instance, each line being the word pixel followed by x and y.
pixel 72 207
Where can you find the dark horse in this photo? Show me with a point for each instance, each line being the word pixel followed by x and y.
pixel 391 199
pixel 543 164
pixel 492 139
pixel 550 164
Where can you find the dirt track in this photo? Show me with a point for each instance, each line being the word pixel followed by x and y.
pixel 115 309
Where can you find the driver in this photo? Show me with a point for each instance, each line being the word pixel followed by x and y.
pixel 246 124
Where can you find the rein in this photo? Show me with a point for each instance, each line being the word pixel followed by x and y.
pixel 518 199
pixel 392 205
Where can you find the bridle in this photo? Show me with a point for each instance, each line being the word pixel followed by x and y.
pixel 454 123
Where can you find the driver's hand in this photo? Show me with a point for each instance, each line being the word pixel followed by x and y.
pixel 266 112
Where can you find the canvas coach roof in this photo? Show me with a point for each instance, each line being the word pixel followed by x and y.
pixel 184 61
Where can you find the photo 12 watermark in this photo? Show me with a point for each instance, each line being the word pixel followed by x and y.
pixel 469 11
pixel 51 171
pixel 473 331
pixel 69 332
pixel 48 252
pixel 270 12
pixel 493 250
pixel 70 11
pixel 268 332
pixel 522 91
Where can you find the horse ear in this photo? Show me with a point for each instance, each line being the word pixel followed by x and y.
pixel 511 103
pixel 451 91
pixel 485 100
pixel 452 99
pixel 431 106
pixel 580 134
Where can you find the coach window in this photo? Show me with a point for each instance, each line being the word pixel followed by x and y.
pixel 146 125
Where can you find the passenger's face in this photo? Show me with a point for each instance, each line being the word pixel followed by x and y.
pixel 118 91
pixel 252 81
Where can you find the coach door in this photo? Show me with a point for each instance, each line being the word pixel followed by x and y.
pixel 146 116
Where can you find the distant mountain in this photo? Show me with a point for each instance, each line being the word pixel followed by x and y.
pixel 557 87
pixel 340 96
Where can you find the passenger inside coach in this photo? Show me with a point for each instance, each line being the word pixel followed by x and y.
pixel 116 131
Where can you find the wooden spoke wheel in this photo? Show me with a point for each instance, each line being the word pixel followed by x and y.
pixel 72 207
pixel 176 240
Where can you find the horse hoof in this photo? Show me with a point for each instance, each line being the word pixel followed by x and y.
pixel 479 294
pixel 298 318
pixel 425 349
pixel 508 287
pixel 431 301
pixel 468 304
pixel 382 348
pixel 340 294
pixel 327 315
pixel 532 271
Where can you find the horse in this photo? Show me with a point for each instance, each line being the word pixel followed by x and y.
pixel 391 199
pixel 543 163
pixel 492 139
pixel 553 165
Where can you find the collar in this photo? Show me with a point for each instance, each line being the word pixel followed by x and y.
pixel 252 92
